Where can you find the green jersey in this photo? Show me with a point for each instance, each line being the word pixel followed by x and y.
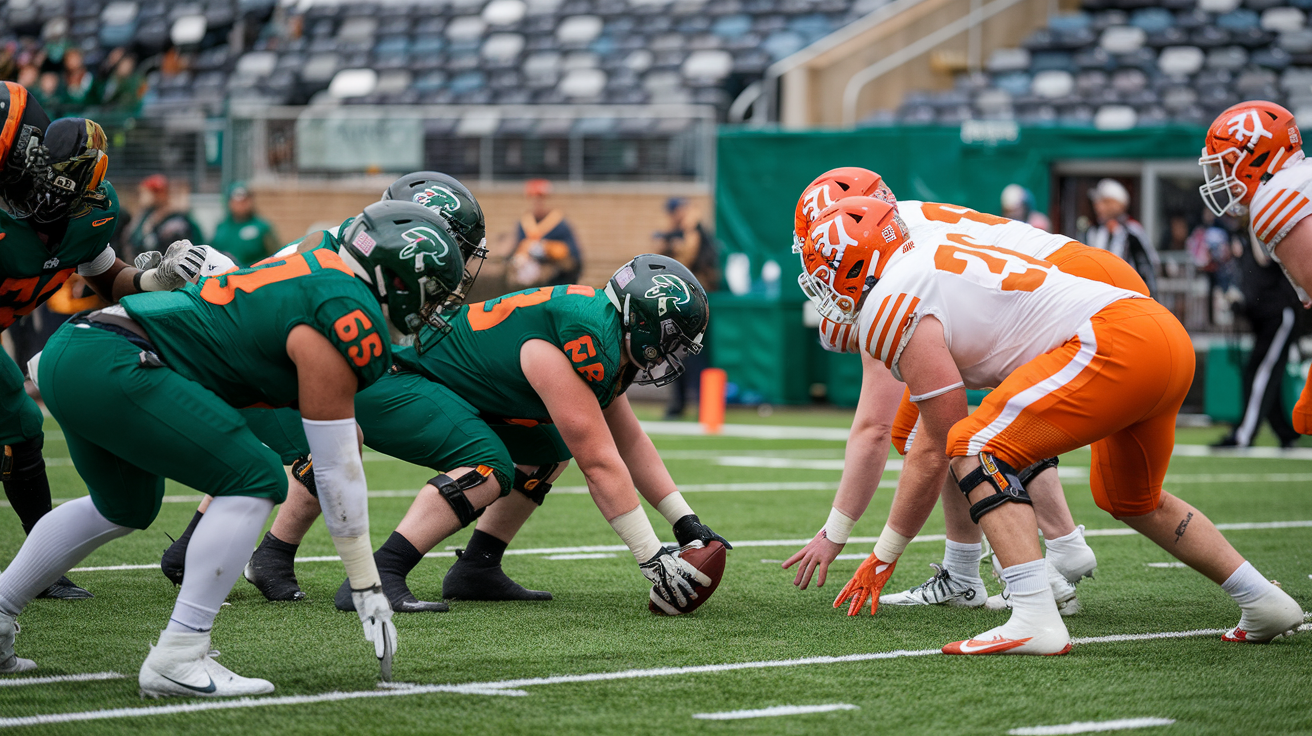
pixel 230 333
pixel 32 270
pixel 479 360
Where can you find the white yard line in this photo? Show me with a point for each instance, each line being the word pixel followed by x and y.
pixel 516 687
pixel 1120 724
pixel 89 677
pixel 774 712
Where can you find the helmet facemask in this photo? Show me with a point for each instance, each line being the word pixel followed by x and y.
pixel 660 364
pixel 1221 190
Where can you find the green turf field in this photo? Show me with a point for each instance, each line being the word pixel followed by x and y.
pixel 597 631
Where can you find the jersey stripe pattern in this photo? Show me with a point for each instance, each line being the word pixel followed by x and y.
pixel 896 313
pixel 1281 203
pixel 837 337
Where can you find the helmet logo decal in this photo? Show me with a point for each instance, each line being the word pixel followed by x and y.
pixel 813 206
pixel 832 249
pixel 668 288
pixel 625 276
pixel 1248 136
pixel 438 198
pixel 416 235
pixel 364 243
pixel 889 234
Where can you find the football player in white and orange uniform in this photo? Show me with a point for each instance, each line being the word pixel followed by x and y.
pixel 1254 163
pixel 956 582
pixel 1071 362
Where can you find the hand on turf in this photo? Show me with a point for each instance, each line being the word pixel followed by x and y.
pixel 671 581
pixel 867 582
pixel 690 529
pixel 376 616
pixel 815 557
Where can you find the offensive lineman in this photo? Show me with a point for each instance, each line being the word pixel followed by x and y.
pixel 1071 361
pixel 169 369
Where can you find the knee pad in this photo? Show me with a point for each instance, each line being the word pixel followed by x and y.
pixel 303 471
pixel 1004 479
pixel 535 485
pixel 453 490
pixel 1032 472
pixel 23 460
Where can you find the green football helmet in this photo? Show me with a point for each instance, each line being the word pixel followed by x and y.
pixel 665 313
pixel 457 205
pixel 405 252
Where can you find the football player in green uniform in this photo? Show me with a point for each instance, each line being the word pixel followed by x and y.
pixel 148 390
pixel 59 215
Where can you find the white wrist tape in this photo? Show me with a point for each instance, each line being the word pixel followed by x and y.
pixel 839 527
pixel 358 559
pixel 339 476
pixel 936 393
pixel 152 281
pixel 635 529
pixel 890 545
pixel 673 508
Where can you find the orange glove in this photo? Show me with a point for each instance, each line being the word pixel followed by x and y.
pixel 1303 409
pixel 867 582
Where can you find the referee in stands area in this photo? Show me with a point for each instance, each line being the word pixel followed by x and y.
pixel 1272 309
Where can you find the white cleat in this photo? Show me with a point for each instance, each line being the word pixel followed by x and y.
pixel 942 589
pixel 1273 615
pixel 1076 565
pixel 1004 640
pixel 11 663
pixel 181 665
pixel 1062 590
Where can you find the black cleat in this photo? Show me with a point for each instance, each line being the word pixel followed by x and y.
pixel 469 581
pixel 398 594
pixel 272 569
pixel 65 590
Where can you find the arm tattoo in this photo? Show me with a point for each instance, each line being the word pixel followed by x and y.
pixel 1179 530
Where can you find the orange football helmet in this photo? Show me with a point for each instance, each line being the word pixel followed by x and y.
pixel 831 186
pixel 845 253
pixel 1246 145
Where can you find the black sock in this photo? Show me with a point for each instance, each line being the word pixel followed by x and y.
pixel 271 543
pixel 28 488
pixel 397 555
pixel 484 549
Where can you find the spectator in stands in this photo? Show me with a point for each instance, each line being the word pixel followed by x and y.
pixel 78 83
pixel 243 235
pixel 1117 232
pixel 547 253
pixel 9 61
pixel 47 93
pixel 687 241
pixel 121 87
pixel 28 75
pixel 158 222
pixel 1018 204
pixel 1272 308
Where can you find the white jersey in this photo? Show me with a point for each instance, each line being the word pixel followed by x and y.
pixel 929 222
pixel 999 308
pixel 1279 204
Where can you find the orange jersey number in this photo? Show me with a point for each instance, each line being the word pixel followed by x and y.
pixel 222 289
pixel 951 214
pixel 580 350
pixel 17 295
pixel 350 328
pixel 489 314
pixel 1026 273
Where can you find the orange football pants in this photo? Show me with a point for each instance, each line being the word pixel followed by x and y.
pixel 1117 385
pixel 1076 259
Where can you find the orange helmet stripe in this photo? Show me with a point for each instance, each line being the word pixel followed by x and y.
pixel 17 104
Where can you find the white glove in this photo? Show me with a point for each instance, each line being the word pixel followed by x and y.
pixel 671 578
pixel 376 616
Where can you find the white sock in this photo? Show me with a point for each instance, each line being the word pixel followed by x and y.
pixel 1032 604
pixel 60 540
pixel 962 560
pixel 220 547
pixel 1066 545
pixel 1027 577
pixel 1246 585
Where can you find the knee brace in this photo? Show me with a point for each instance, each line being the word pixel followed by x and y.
pixel 23 460
pixel 535 485
pixel 303 471
pixel 1004 479
pixel 453 490
pixel 1032 472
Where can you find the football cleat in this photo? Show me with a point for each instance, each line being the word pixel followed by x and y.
pixel 397 592
pixel 468 580
pixel 941 589
pixel 182 665
pixel 1274 614
pixel 994 641
pixel 272 569
pixel 11 663
pixel 1076 565
pixel 1062 590
pixel 64 589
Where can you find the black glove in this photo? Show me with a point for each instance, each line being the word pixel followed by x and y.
pixel 691 528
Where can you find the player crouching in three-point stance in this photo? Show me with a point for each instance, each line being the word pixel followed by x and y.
pixel 1072 362
pixel 148 391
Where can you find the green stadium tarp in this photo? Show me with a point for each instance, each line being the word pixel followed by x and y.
pixel 760 174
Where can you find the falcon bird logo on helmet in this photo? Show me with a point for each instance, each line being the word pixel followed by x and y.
pixel 438 198
pixel 424 235
pixel 667 288
pixel 1246 145
pixel 664 313
pixel 456 205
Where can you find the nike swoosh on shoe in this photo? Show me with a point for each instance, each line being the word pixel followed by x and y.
pixel 990 646
pixel 207 689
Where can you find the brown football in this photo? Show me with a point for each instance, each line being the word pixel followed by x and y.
pixel 710 561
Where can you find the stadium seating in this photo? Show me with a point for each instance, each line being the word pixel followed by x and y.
pixel 1125 63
